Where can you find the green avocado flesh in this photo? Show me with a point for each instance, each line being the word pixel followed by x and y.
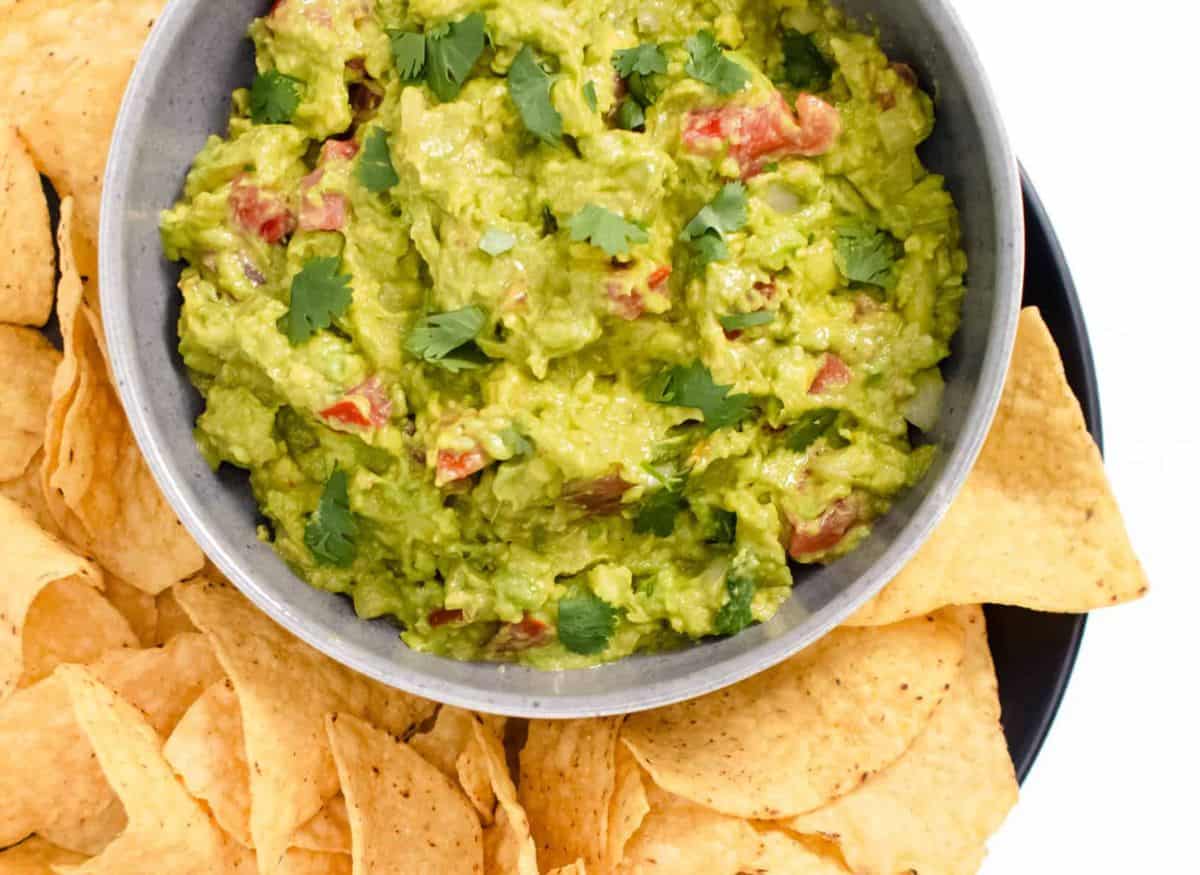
pixel 560 334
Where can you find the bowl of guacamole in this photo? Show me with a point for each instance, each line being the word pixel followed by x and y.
pixel 559 359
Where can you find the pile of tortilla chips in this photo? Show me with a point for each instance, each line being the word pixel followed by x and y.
pixel 152 720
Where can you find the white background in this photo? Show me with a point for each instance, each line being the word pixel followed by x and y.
pixel 1102 102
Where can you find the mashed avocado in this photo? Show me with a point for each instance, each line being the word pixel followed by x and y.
pixel 557 333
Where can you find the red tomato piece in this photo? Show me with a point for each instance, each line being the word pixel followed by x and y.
pixel 513 637
pixel 833 374
pixel 443 616
pixel 327 214
pixel 755 134
pixel 364 406
pixel 820 125
pixel 453 466
pixel 626 303
pixel 658 276
pixel 333 150
pixel 823 533
pixel 262 213
pixel 345 412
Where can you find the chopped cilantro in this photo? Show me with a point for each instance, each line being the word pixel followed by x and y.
pixel 865 254
pixel 720 526
pixel 804 66
pixel 273 98
pixel 734 615
pixel 375 170
pixel 709 248
pixel 408 51
pixel 657 513
pixel 629 115
pixel 724 214
pixel 444 56
pixel 497 241
pixel 645 60
pixel 811 425
pixel 447 339
pixel 530 86
pixel 332 527
pixel 320 294
pixel 605 229
pixel 589 95
pixel 693 386
pixel 549 221
pixel 585 623
pixel 709 64
pixel 740 321
pixel 642 89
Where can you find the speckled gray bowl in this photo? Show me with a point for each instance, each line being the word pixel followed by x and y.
pixel 179 93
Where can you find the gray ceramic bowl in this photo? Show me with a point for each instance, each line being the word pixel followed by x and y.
pixel 179 93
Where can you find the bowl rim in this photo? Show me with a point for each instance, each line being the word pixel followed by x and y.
pixel 130 384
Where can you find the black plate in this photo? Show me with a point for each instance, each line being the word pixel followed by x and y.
pixel 1035 652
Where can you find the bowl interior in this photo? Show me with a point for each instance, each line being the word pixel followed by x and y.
pixel 179 94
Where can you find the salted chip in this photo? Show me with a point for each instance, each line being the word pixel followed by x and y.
pixel 92 834
pixel 405 815
pixel 508 847
pixel 172 618
pixel 568 772
pixel 26 249
pixel 27 361
pixel 138 607
pixel 328 831
pixel 96 482
pixel 49 780
pixel 808 730
pixel 783 854
pixel 285 688
pixel 628 807
pixel 1036 523
pixel 576 868
pixel 26 490
pixel 450 745
pixel 36 856
pixel 934 808
pixel 301 862
pixel 167 830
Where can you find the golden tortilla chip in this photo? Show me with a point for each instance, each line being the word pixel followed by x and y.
pixel 1036 523
pixel 934 808
pixel 300 862
pixel 96 482
pixel 27 361
pixel 450 745
pixel 808 730
pixel 167 830
pixel 328 831
pixel 49 779
pixel 405 815
pixel 576 868
pixel 508 846
pixel 36 856
pixel 26 490
pixel 628 807
pixel 568 772
pixel 92 834
pixel 172 618
pixel 783 854
pixel 285 688
pixel 26 250
pixel 137 606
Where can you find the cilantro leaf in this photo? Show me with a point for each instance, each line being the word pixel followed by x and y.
pixel 724 214
pixel 734 615
pixel 375 170
pixel 740 321
pixel 865 254
pixel 709 248
pixel 629 115
pixel 273 98
pixel 720 525
pixel 657 512
pixel 643 89
pixel 589 95
pixel 332 527
pixel 497 241
pixel 446 339
pixel 709 64
pixel 585 623
pixel 320 294
pixel 804 66
pixel 811 425
pixel 408 52
pixel 451 52
pixel 530 87
pixel 692 386
pixel 645 60
pixel 605 229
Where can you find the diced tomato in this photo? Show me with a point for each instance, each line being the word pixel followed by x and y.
pixel 453 466
pixel 627 303
pixel 333 150
pixel 600 494
pixel 366 405
pixel 658 276
pixel 824 532
pixel 766 289
pixel 327 214
pixel 514 637
pixel 833 374
pixel 262 213
pixel 444 616
pixel 755 134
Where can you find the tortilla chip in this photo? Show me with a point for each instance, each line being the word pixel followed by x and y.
pixel 138 608
pixel 935 807
pixel 168 830
pixel 628 807
pixel 49 780
pixel 96 482
pixel 508 846
pixel 70 621
pixel 285 689
pixel 26 250
pixel 576 868
pixel 405 815
pixel 568 772
pixel 172 618
pixel 26 490
pixel 783 854
pixel 36 856
pixel 27 361
pixel 808 730
pixel 450 746
pixel 1036 523
pixel 91 835
pixel 328 831
pixel 301 862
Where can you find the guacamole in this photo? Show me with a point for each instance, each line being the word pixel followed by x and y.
pixel 559 333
